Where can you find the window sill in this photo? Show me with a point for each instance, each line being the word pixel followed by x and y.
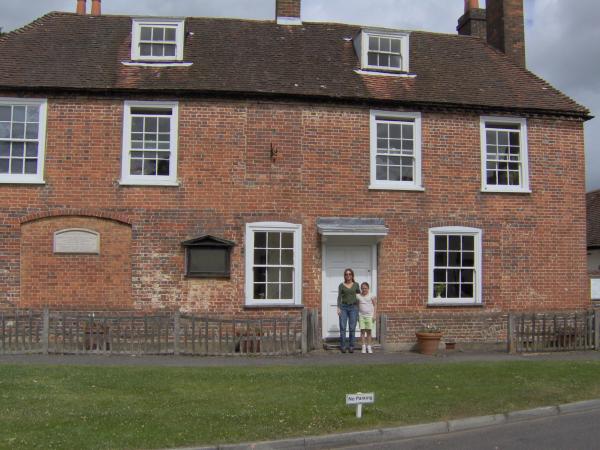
pixel 21 181
pixel 148 183
pixel 382 73
pixel 274 305
pixel 158 63
pixel 492 190
pixel 453 305
pixel 378 187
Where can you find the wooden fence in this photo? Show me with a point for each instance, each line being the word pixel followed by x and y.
pixel 553 332
pixel 154 334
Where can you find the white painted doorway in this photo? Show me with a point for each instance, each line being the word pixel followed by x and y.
pixel 362 259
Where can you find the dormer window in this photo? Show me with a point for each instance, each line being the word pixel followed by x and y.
pixel 157 40
pixel 383 51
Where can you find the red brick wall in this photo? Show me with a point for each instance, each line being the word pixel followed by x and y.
pixel 533 244
pixel 75 281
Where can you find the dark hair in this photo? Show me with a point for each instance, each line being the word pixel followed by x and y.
pixel 351 271
pixel 364 283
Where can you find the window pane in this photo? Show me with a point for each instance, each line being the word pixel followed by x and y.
pixel 384 44
pixel 439 275
pixel 260 291
pixel 4 165
pixel 158 34
pixel 287 291
pixel 19 114
pixel 260 256
pixel 395 131
pixel 4 130
pixel 273 291
pixel 169 34
pixel 162 167
pixel 440 259
pixel 373 43
pixel 145 49
pixel 287 257
pixel 394 61
pixel 381 173
pixel 454 259
pixel 31 166
pixel 16 166
pixel 384 60
pixel 287 274
pixel 372 59
pixel 4 148
pixel 136 167
pixel 273 275
pixel 18 149
pixel 468 259
pixel 514 179
pixel 468 243
pixel 146 34
pixel 260 239
pixel 452 290
pixel 407 131
pixel 395 45
pixel 274 239
pixel 394 173
pixel 31 131
pixel 466 276
pixel 441 242
pixel 287 240
pixel 273 257
pixel 157 49
pixel 169 50
pixel 466 290
pixel 453 275
pixel 260 274
pixel 454 242
pixel 5 113
pixel 149 167
pixel 514 139
pixel 407 174
pixel 18 130
pixel 502 138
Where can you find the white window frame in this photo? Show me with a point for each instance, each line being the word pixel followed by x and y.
pixel 249 256
pixel 163 180
pixel 363 49
pixel 38 177
pixel 137 25
pixel 523 187
pixel 477 278
pixel 415 118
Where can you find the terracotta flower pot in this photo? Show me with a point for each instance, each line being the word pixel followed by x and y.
pixel 428 342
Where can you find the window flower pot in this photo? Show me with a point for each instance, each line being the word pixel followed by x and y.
pixel 428 342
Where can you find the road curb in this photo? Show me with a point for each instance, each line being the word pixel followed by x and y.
pixel 409 431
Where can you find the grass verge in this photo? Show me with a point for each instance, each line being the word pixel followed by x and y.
pixel 142 407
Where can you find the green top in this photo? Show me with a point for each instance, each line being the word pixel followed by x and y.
pixel 347 296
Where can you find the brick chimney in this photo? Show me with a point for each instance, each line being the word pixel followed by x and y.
pixel 472 22
pixel 81 7
pixel 287 12
pixel 506 28
pixel 96 8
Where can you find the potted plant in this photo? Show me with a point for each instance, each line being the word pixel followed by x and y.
pixel 439 290
pixel 428 339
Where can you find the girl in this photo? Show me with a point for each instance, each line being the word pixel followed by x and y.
pixel 367 305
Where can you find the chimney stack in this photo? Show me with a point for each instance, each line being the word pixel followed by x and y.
pixel 288 12
pixel 472 22
pixel 96 8
pixel 81 7
pixel 506 28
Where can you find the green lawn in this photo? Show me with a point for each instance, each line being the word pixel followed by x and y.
pixel 145 407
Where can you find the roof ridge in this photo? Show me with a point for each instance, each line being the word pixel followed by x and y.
pixel 30 25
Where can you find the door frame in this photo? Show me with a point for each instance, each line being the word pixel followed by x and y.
pixel 349 241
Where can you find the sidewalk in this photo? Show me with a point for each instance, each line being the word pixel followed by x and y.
pixel 316 358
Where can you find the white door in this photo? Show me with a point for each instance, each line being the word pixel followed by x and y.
pixel 361 259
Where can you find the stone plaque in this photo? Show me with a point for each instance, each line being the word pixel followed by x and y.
pixel 76 241
pixel 595 288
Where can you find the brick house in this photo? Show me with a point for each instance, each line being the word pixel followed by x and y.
pixel 236 167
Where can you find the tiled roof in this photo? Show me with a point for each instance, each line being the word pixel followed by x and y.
pixel 69 51
pixel 592 201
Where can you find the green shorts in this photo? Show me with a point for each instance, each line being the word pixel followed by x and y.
pixel 366 322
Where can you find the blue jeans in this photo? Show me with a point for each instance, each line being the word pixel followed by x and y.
pixel 348 316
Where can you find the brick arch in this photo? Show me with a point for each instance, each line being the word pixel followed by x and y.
pixel 73 280
pixel 75 212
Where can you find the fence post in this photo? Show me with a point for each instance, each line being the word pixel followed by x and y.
pixel 382 330
pixel 597 329
pixel 304 331
pixel 176 332
pixel 45 330
pixel 510 331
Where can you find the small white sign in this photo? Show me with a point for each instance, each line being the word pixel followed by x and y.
pixel 360 398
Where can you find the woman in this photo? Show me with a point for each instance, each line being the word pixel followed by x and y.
pixel 347 309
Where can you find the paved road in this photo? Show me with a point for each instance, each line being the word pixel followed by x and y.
pixel 576 431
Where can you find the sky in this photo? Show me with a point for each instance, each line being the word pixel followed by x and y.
pixel 561 36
